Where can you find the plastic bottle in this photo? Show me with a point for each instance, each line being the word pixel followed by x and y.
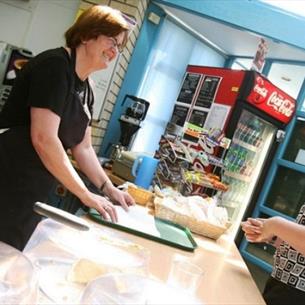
pixel 251 135
pixel 238 130
pixel 228 158
pixel 241 158
pixel 245 135
pixel 234 164
pixel 249 169
pixel 258 129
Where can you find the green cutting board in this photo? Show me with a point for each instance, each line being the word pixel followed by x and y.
pixel 171 234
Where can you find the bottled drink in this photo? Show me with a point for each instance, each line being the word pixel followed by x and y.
pixel 241 159
pixel 249 168
pixel 251 136
pixel 245 134
pixel 231 158
pixel 258 130
pixel 238 130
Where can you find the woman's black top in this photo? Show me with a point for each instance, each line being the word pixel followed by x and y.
pixel 47 81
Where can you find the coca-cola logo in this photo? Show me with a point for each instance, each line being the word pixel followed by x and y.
pixel 259 88
pixel 261 91
pixel 280 104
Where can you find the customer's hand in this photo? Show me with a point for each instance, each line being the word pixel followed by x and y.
pixel 256 230
pixel 118 196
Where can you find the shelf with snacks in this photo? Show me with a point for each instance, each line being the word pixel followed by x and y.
pixel 237 176
pixel 207 180
pixel 189 168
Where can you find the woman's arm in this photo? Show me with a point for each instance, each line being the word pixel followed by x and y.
pixel 88 163
pixel 52 154
pixel 289 231
pixel 262 230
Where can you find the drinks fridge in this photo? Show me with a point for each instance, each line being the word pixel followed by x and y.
pixel 252 112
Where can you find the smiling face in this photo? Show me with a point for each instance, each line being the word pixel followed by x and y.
pixel 102 50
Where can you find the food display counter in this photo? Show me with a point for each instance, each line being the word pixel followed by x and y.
pixel 55 247
pixel 226 278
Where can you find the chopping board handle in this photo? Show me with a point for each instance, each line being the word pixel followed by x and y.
pixel 60 216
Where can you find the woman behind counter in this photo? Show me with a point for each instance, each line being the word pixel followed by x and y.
pixel 48 112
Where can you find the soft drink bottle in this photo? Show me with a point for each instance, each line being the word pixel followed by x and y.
pixel 238 130
pixel 241 158
pixel 252 136
pixel 242 131
pixel 245 134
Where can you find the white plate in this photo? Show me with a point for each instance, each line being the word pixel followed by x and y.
pixel 53 281
pixel 131 289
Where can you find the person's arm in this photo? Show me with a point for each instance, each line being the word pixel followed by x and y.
pixel 52 154
pixel 289 231
pixel 253 232
pixel 88 163
pixel 262 230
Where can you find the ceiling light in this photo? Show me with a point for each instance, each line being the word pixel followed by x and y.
pixel 286 78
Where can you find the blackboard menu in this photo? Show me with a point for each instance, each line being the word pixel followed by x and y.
pixel 179 115
pixel 188 89
pixel 207 91
pixel 198 117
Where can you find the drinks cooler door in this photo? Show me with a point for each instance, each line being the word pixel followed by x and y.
pixel 244 160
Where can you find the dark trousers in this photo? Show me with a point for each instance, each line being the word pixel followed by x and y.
pixel 278 293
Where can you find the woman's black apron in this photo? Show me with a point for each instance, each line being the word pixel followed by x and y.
pixel 23 178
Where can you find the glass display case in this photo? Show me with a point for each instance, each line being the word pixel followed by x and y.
pixel 244 161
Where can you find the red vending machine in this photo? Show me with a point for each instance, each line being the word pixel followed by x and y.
pixel 251 111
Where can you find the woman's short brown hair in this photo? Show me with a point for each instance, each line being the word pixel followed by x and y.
pixel 95 21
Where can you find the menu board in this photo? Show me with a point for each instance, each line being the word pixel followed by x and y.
pixel 198 117
pixel 179 115
pixel 188 88
pixel 207 91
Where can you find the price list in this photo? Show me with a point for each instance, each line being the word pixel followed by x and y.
pixel 207 91
pixel 198 117
pixel 188 89
pixel 179 115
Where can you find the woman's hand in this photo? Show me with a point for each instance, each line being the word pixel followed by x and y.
pixel 118 196
pixel 256 230
pixel 102 205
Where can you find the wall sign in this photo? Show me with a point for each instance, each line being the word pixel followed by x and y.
pixel 188 88
pixel 268 98
pixel 102 81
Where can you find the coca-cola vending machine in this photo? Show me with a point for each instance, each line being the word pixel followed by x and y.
pixel 252 112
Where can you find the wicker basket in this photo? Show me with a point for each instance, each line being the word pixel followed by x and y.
pixel 140 195
pixel 199 227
